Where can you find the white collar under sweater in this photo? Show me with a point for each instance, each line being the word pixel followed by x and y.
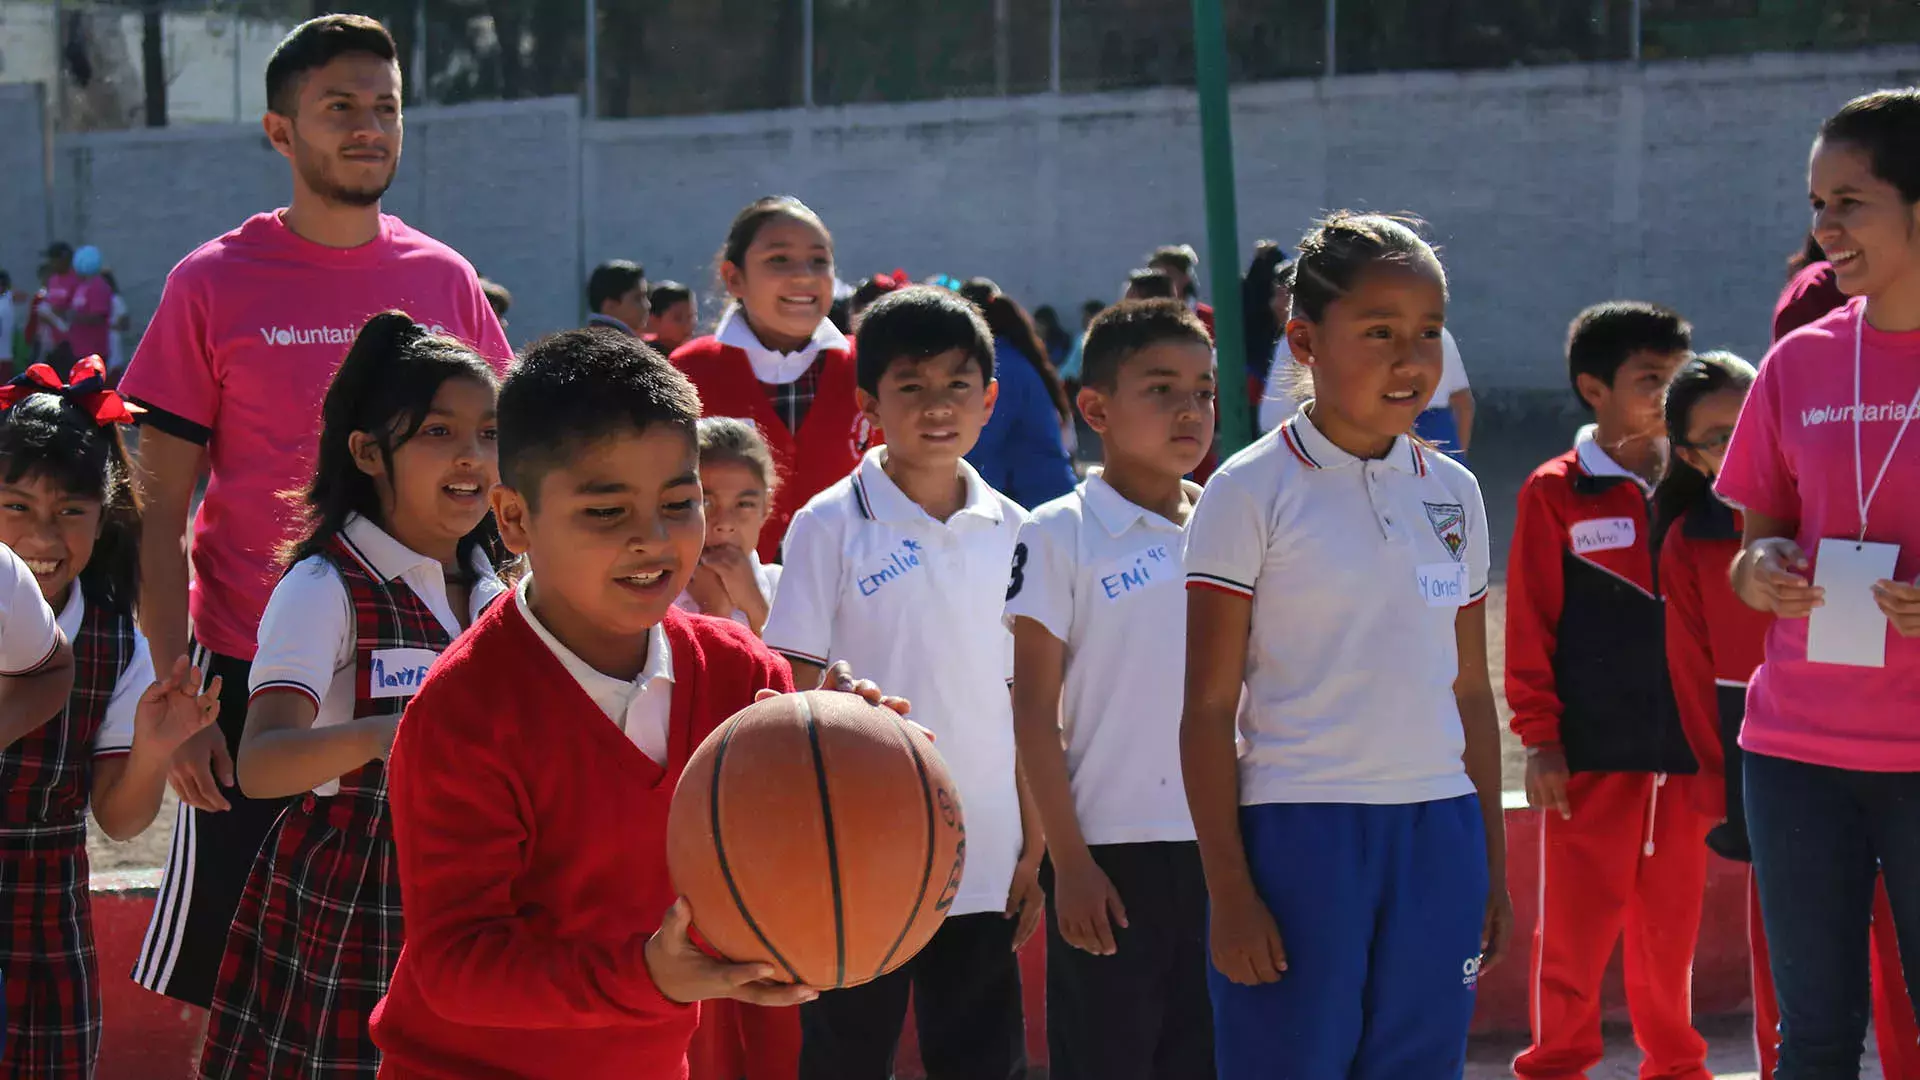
pixel 769 365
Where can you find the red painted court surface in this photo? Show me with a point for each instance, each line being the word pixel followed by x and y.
pixel 153 1038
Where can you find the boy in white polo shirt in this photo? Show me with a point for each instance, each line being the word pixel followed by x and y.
pixel 1101 614
pixel 902 569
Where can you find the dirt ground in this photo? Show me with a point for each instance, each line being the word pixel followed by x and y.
pixel 1505 453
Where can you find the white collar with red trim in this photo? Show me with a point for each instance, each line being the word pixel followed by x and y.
pixel 1595 461
pixel 1316 451
pixel 770 365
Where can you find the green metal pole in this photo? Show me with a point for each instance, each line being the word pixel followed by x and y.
pixel 1223 227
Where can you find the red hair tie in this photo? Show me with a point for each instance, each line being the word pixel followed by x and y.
pixel 86 386
pixel 893 282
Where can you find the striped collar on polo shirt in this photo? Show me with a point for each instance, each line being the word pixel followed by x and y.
pixel 878 498
pixel 1316 451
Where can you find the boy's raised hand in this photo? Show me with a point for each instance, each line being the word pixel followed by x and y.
pixel 839 679
pixel 170 713
pixel 710 592
pixel 685 974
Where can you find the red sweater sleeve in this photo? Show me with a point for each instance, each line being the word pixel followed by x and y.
pixel 1535 595
pixel 1690 654
pixel 475 955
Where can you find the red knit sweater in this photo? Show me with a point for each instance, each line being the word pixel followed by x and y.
pixel 1714 641
pixel 829 444
pixel 531 835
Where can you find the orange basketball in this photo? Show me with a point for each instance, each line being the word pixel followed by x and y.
pixel 819 834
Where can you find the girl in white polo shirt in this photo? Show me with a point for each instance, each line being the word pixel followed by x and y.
pixel 394 564
pixel 1354 853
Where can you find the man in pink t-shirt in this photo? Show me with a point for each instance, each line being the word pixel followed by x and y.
pixel 89 313
pixel 233 369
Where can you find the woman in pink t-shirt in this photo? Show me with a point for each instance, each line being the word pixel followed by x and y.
pixel 1826 469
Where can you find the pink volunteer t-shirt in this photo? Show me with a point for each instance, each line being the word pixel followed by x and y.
pixel 92 296
pixel 60 289
pixel 1792 458
pixel 250 330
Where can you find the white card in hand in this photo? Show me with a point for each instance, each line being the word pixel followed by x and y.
pixel 1849 628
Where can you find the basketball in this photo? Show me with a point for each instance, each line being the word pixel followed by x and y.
pixel 819 834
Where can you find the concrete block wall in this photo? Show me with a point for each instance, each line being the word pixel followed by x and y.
pixel 1548 188
pixel 23 186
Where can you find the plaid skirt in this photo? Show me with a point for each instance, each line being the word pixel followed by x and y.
pixel 313 946
pixel 51 984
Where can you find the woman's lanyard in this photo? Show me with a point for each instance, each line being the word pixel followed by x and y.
pixel 1861 491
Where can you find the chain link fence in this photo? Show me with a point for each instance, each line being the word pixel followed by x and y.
pixel 689 57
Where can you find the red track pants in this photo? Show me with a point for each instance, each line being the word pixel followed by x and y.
pixel 1631 861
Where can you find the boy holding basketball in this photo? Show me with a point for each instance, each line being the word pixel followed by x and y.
pixel 1100 608
pixel 902 568
pixel 531 776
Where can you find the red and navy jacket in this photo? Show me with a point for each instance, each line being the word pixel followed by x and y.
pixel 1714 643
pixel 1586 659
pixel 831 440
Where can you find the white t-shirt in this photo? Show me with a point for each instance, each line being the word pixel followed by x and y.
pixel 917 605
pixel 768 578
pixel 1357 570
pixel 642 707
pixel 1286 373
pixel 307 634
pixel 115 735
pixel 1103 575
pixel 28 634
pixel 7 321
pixel 116 338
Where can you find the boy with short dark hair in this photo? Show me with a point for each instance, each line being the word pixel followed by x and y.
pixel 617 297
pixel 531 776
pixel 1623 848
pixel 1100 609
pixel 902 569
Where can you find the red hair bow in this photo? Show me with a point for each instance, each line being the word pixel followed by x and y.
pixel 86 387
pixel 892 282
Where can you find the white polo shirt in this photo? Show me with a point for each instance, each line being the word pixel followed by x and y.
pixel 1103 575
pixel 1357 570
pixel 28 636
pixel 916 605
pixel 307 634
pixel 642 706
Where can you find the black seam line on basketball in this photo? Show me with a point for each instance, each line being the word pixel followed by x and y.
pixel 833 849
pixel 926 873
pixel 720 852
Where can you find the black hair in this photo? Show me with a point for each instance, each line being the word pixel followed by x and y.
pixel 749 221
pixel 612 280
pixel 6 280
pixel 51 436
pixel 869 290
pixel 1090 308
pixel 385 388
pixel 727 438
pixel 1149 284
pixel 498 297
pixel 1886 125
pixel 1343 246
pixel 575 388
pixel 915 323
pixel 1046 321
pixel 1126 328
pixel 1256 308
pixel 1685 487
pixel 1010 323
pixel 316 43
pixel 1605 336
pixel 1182 256
pixel 666 294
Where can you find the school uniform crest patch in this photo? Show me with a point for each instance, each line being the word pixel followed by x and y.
pixel 1449 521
